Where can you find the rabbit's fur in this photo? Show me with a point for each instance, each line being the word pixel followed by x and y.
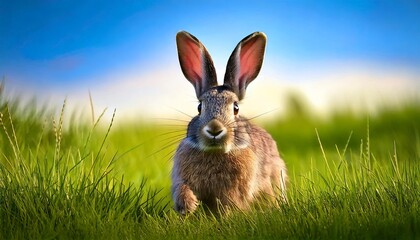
pixel 224 160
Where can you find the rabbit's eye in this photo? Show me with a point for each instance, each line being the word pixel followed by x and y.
pixel 235 108
pixel 199 108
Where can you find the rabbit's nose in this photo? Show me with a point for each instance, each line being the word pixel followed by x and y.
pixel 214 133
pixel 214 129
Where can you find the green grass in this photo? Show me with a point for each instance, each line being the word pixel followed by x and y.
pixel 351 176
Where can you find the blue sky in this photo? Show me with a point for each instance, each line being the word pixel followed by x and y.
pixel 60 46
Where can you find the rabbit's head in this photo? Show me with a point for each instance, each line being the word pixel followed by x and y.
pixel 218 126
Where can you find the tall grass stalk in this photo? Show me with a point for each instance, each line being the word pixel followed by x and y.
pixel 348 180
pixel 55 192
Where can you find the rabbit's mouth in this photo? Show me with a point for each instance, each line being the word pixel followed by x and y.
pixel 215 146
pixel 213 143
pixel 213 136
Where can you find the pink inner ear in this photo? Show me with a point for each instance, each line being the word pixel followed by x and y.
pixel 250 58
pixel 191 60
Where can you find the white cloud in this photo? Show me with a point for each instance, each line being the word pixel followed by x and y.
pixel 165 93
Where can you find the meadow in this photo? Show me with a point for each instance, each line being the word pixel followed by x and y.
pixel 352 176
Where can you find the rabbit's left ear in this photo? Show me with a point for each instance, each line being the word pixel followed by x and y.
pixel 245 63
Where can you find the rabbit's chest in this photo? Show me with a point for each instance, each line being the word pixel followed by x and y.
pixel 218 174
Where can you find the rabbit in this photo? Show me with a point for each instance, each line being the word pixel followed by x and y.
pixel 224 161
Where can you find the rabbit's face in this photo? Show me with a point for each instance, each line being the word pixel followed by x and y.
pixel 218 127
pixel 218 111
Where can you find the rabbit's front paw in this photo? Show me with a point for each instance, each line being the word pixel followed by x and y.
pixel 185 202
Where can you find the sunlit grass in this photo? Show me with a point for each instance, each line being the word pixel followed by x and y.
pixel 351 176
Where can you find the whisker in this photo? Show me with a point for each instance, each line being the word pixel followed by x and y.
pixel 186 114
pixel 170 155
pixel 172 140
pixel 171 132
pixel 172 119
pixel 171 144
pixel 174 126
pixel 262 114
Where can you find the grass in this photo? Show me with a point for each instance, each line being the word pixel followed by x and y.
pixel 351 177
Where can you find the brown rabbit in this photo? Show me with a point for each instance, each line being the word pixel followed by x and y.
pixel 224 159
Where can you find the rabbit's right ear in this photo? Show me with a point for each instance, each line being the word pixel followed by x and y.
pixel 196 63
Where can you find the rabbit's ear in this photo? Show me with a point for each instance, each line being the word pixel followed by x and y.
pixel 196 63
pixel 245 63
